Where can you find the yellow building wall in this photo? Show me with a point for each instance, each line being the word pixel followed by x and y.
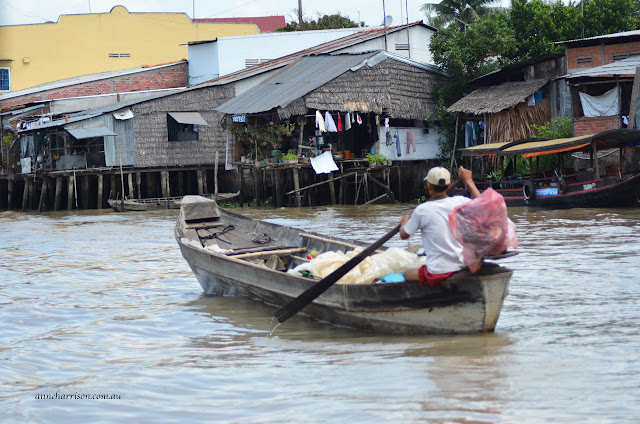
pixel 82 44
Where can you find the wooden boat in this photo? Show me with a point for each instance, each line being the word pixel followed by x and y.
pixel 222 247
pixel 595 186
pixel 161 202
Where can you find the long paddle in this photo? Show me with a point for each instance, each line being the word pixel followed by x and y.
pixel 321 286
pixel 293 307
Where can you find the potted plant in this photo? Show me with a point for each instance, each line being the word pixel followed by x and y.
pixel 376 160
pixel 291 157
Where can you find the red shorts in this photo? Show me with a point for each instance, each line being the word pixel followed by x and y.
pixel 425 278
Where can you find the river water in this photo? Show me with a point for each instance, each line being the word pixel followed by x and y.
pixel 101 303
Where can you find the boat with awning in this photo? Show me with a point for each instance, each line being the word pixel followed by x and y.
pixel 593 184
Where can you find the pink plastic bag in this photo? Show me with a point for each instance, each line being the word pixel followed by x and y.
pixel 483 228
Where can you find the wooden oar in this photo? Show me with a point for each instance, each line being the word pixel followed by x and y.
pixel 321 286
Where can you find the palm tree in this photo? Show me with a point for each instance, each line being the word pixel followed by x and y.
pixel 465 12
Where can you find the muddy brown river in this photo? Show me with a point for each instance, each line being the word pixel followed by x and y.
pixel 103 321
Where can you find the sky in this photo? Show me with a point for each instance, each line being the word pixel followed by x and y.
pixel 19 12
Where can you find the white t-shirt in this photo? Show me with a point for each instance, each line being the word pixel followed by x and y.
pixel 444 253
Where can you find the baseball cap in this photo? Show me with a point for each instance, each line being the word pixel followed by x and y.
pixel 438 176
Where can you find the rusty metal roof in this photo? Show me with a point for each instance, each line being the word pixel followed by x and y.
pixel 298 79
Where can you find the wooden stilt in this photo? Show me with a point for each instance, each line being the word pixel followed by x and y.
pixel 151 187
pixel 200 182
pixel 243 191
pixel 277 188
pixel 341 193
pixel 25 195
pixel 205 185
pixel 85 192
pixel 260 185
pixel 254 179
pixel 332 189
pixel 138 185
pixel 163 182
pixel 180 183
pixel 399 183
pixel 113 188
pixel 365 180
pixel 100 195
pixel 58 196
pixel 43 194
pixel 10 188
pixel 296 186
pixel 33 189
pixel 70 192
pixel 215 173
pixel 596 162
pixel 130 183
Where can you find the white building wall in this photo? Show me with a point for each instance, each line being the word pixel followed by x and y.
pixel 229 54
pixel 419 41
pixel 203 62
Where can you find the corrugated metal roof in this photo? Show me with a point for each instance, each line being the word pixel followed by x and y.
pixel 296 80
pixel 62 122
pixel 624 67
pixel 188 118
pixel 81 133
pixel 84 79
pixel 264 23
pixel 624 34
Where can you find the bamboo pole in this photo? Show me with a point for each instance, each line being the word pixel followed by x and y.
pixel 327 240
pixel 280 252
pixel 375 200
pixel 321 183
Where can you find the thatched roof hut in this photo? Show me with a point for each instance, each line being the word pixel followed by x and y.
pixel 505 109
pixel 379 82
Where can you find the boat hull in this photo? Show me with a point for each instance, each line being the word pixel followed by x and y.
pixel 604 193
pixel 465 303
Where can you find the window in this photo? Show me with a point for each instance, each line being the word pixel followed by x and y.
pixel 401 46
pixel 620 56
pixel 584 60
pixel 119 54
pixel 248 63
pixel 184 126
pixel 4 79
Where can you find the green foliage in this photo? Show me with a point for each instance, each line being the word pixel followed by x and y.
pixel 8 139
pixel 560 127
pixel 483 47
pixel 334 21
pixel 380 158
pixel 538 25
pixel 291 154
pixel 257 141
pixel 458 12
pixel 609 16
